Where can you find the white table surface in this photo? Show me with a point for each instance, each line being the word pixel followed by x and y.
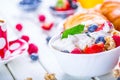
pixel 23 67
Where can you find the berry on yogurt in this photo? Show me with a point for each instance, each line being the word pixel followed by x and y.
pixel 92 28
pixel 100 39
pixel 76 51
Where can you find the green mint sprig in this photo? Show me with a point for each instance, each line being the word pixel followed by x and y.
pixel 74 30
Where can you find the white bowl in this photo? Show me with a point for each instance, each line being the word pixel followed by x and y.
pixel 86 65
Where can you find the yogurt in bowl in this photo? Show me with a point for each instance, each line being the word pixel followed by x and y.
pixel 87 53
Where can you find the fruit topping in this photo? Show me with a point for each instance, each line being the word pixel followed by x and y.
pixel 100 39
pixel 92 28
pixel 95 48
pixel 76 51
pixel 116 39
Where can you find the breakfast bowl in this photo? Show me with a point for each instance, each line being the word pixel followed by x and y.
pixel 86 65
pixel 87 45
pixel 64 8
pixel 62 14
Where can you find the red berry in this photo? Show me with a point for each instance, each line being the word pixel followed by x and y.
pixel 76 51
pixel 47 26
pixel 100 27
pixel 25 37
pixel 19 27
pixel 95 48
pixel 41 18
pixel 116 39
pixel 32 48
pixel 110 24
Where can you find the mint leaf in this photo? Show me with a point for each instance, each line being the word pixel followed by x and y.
pixel 74 30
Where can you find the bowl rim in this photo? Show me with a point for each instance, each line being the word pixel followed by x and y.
pixel 66 11
pixel 85 54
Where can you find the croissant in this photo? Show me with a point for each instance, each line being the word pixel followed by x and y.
pixel 87 18
pixel 111 10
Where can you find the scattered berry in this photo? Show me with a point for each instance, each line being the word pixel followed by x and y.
pixel 100 39
pixel 48 39
pixel 32 48
pixel 19 27
pixel 116 38
pixel 92 28
pixel 95 48
pixel 66 51
pixel 47 26
pixel 25 37
pixel 76 51
pixel 41 18
pixel 34 56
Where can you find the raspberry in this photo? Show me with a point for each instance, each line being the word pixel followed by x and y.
pixel 41 18
pixel 76 51
pixel 116 39
pixel 25 37
pixel 32 48
pixel 19 27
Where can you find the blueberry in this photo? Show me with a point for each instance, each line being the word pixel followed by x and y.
pixel 52 8
pixel 34 56
pixel 74 5
pixel 100 39
pixel 48 39
pixel 65 51
pixel 27 1
pixel 22 3
pixel 118 78
pixel 92 28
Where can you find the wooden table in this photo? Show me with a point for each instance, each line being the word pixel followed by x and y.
pixel 23 67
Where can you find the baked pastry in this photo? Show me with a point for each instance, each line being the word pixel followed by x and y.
pixel 87 18
pixel 111 10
